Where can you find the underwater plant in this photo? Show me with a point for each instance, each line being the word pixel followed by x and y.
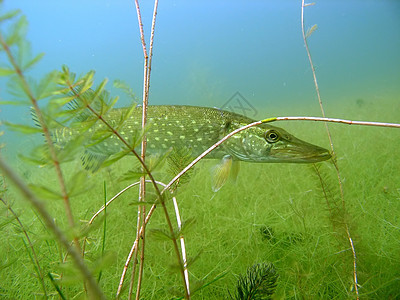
pixel 259 283
pixel 91 124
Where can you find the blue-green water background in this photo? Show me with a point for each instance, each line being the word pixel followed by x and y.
pixel 206 51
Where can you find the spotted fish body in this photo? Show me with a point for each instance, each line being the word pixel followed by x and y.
pixel 197 128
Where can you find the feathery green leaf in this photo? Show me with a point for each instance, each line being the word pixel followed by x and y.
pixel 259 283
pixel 26 129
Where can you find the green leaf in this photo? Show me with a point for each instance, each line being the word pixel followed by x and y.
pixel 45 192
pixel 177 161
pixel 124 117
pixel 7 221
pixel 24 53
pixel 87 82
pixel 37 161
pixel 26 129
pixel 99 136
pixel 17 31
pixel 19 103
pixel 104 262
pixel 9 15
pixel 161 234
pixel 78 184
pixel 6 71
pixel 133 175
pixel 14 88
pixel 57 288
pixel 196 286
pixel 100 87
pixel 39 156
pixel 4 264
pixel 185 226
pixel 2 145
pixel 114 158
pixel 65 77
pixel 126 89
pixel 71 149
pixel 47 86
pixel 32 61
pixel 157 162
pixel 311 30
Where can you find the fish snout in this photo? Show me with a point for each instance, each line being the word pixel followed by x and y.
pixel 300 152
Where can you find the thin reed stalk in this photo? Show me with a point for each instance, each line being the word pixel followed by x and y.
pixel 182 239
pixel 142 191
pixel 333 120
pixel 332 148
pixel 103 242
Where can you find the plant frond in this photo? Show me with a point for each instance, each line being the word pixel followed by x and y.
pixel 259 283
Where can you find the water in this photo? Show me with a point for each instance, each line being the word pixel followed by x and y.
pixel 249 53
pixel 205 51
pixel 246 56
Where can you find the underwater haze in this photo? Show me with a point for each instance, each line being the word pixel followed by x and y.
pixel 312 224
pixel 207 51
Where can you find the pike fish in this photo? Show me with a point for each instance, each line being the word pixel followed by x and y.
pixel 198 128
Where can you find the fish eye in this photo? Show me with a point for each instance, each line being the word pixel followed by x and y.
pixel 272 136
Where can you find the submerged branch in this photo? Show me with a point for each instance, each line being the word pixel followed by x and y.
pixel 332 120
pixel 142 191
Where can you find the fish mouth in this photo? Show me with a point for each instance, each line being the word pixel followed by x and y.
pixel 316 157
pixel 305 153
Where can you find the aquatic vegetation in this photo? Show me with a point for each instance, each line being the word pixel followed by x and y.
pixel 291 216
pixel 258 283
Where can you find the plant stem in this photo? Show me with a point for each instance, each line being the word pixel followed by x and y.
pixel 332 149
pixel 96 293
pixel 333 120
pixel 46 134
pixel 103 244
pixel 142 189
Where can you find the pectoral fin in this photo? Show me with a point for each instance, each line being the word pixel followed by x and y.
pixel 220 173
pixel 235 169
